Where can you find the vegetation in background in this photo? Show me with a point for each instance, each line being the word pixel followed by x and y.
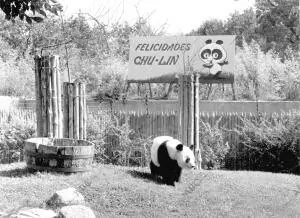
pixel 270 144
pixel 116 143
pixel 97 50
pixel 214 149
pixel 13 133
pixel 27 9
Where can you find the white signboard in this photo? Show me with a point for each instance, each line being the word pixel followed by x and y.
pixel 157 56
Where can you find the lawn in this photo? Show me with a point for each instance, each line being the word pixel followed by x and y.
pixel 113 191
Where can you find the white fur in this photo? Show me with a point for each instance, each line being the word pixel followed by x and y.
pixel 156 143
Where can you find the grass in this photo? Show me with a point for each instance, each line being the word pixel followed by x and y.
pixel 113 191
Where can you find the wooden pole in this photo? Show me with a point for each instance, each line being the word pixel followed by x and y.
pixel 76 111
pixel 84 111
pixel 44 97
pixel 66 110
pixel 49 98
pixel 192 111
pixel 80 110
pixel 53 80
pixel 197 123
pixel 71 112
pixel 59 105
pixel 38 93
pixel 180 83
pixel 150 90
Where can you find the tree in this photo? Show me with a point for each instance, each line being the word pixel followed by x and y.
pixel 27 9
pixel 277 22
pixel 210 27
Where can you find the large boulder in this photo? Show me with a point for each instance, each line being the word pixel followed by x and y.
pixel 76 211
pixel 34 213
pixel 65 197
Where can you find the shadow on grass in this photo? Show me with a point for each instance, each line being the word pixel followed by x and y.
pixel 144 175
pixel 18 172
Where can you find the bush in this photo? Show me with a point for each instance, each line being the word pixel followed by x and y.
pixel 214 149
pixel 266 76
pixel 115 143
pixel 270 143
pixel 14 130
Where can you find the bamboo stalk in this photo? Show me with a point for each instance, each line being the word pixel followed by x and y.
pixel 84 111
pixel 81 110
pixel 180 101
pixel 197 123
pixel 49 98
pixel 53 80
pixel 71 112
pixel 38 93
pixel 76 111
pixel 192 111
pixel 66 110
pixel 59 101
pixel 43 86
pixel 185 109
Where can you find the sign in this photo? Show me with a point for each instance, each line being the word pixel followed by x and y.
pixel 160 56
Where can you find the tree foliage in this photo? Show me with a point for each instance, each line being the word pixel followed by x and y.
pixel 28 9
pixel 273 24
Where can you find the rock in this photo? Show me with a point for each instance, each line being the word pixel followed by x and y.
pixel 76 211
pixel 34 213
pixel 69 196
pixel 2 214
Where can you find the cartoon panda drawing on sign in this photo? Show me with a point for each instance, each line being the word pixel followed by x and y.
pixel 214 56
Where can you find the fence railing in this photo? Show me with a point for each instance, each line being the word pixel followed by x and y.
pixel 149 124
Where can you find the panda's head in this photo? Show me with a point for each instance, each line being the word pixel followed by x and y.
pixel 213 52
pixel 185 157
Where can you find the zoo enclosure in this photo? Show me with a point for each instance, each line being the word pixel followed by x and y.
pixel 161 117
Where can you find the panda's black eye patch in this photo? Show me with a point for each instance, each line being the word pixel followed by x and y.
pixel 217 54
pixel 205 53
pixel 187 160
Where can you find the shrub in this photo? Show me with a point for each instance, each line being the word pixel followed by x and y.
pixel 14 130
pixel 115 142
pixel 214 149
pixel 270 143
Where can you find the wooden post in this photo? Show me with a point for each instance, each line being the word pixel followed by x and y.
pixel 76 111
pixel 71 110
pixel 150 90
pixel 48 106
pixel 43 97
pixel 192 110
pixel 53 78
pixel 197 123
pixel 84 111
pixel 81 102
pixel 180 101
pixel 59 106
pixel 38 92
pixel 66 110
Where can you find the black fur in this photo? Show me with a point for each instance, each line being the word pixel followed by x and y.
pixel 169 169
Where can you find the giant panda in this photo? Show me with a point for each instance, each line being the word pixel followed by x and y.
pixel 168 157
pixel 214 56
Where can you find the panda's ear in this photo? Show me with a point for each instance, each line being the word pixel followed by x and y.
pixel 179 147
pixel 219 42
pixel 208 41
pixel 192 147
